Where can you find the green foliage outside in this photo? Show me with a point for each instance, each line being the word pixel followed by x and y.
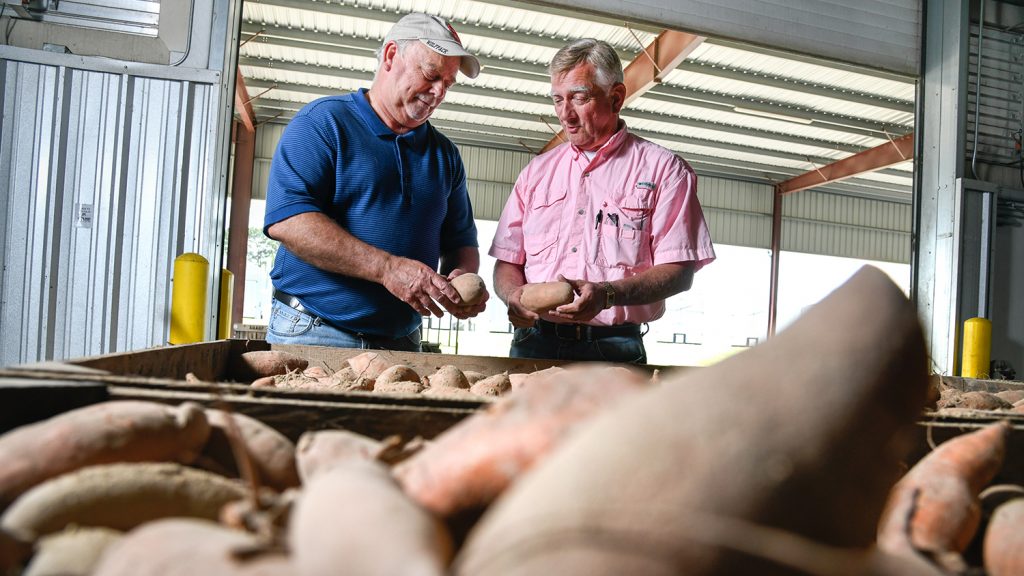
pixel 261 249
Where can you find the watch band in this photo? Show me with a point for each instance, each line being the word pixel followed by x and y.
pixel 609 295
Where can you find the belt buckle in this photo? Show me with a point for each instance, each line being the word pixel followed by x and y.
pixel 579 331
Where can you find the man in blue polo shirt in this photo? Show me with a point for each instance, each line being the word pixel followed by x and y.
pixel 368 200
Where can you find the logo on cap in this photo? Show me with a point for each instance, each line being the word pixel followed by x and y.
pixel 436 46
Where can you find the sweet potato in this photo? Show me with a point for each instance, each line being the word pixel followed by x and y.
pixel 398 387
pixel 470 464
pixel 448 376
pixel 118 431
pixel 471 288
pixel 975 400
pixel 1011 396
pixel 473 376
pixel 397 373
pixel 271 453
pixel 191 547
pixel 935 507
pixel 543 296
pixel 118 496
pixel 1004 540
pixel 368 365
pixel 324 449
pixel 449 392
pixel 315 372
pixel 492 385
pixel 804 433
pixel 72 552
pixel 355 516
pixel 249 366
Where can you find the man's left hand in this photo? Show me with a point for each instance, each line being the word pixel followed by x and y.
pixel 589 303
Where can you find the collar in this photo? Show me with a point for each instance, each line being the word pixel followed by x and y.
pixel 609 147
pixel 377 126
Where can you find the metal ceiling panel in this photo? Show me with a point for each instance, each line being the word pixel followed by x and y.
pixel 732 109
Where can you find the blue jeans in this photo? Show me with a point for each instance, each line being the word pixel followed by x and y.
pixel 532 343
pixel 289 326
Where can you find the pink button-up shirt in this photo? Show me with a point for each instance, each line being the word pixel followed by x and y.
pixel 634 205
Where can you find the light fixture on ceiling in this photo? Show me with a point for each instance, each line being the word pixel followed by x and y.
pixel 772 115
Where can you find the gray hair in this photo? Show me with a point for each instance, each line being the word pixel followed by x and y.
pixel 400 44
pixel 600 54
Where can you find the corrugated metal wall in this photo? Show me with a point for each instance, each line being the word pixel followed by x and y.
pixel 738 213
pixel 107 173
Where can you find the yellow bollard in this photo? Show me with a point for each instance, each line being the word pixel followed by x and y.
pixel 227 292
pixel 977 348
pixel 188 299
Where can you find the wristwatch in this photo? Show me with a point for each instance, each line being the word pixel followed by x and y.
pixel 609 295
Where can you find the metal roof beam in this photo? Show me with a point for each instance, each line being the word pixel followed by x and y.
pixel 664 54
pixel 887 154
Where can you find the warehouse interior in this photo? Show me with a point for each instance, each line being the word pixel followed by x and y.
pixel 144 120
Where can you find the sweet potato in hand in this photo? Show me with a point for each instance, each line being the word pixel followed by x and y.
pixel 542 297
pixel 471 288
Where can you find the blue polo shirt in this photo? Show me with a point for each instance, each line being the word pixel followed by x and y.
pixel 405 194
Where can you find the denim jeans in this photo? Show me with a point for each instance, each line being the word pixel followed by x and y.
pixel 289 326
pixel 532 343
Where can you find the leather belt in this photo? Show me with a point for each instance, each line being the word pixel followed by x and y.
pixel 293 302
pixel 585 332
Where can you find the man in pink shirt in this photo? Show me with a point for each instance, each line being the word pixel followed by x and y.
pixel 614 215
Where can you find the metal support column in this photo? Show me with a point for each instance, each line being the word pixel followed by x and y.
pixel 939 207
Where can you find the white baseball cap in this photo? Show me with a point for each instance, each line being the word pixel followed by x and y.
pixel 438 35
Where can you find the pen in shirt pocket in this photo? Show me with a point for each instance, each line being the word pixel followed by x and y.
pixel 597 220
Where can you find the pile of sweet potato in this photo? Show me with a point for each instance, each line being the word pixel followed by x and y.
pixel 785 459
pixel 368 372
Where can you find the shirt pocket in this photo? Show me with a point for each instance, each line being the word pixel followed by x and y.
pixel 542 223
pixel 625 231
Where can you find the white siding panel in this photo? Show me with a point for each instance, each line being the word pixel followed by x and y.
pixel 880 34
pixel 108 171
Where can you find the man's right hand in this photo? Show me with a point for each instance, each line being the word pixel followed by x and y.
pixel 519 316
pixel 417 285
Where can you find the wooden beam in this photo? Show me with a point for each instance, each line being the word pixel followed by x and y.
pixel 242 106
pixel 649 67
pixel 881 156
pixel 238 227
